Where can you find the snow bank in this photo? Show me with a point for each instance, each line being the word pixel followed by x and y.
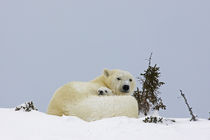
pixel 40 126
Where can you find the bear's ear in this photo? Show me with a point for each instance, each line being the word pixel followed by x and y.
pixel 106 72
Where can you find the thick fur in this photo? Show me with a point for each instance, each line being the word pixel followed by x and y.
pixel 81 99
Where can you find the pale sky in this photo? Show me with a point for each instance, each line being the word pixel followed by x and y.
pixel 46 43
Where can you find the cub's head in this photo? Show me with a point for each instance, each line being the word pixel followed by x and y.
pixel 120 82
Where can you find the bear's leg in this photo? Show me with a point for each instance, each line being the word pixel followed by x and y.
pixel 104 91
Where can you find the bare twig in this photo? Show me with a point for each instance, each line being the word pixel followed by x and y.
pixel 189 108
pixel 150 58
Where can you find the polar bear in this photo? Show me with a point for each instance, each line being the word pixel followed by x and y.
pixel 86 101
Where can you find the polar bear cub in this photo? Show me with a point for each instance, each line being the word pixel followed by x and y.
pixel 82 98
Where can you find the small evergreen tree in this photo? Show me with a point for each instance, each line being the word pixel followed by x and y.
pixel 147 97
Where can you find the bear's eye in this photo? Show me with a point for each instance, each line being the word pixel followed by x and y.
pixel 130 80
pixel 118 78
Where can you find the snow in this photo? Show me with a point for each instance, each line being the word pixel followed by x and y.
pixel 34 125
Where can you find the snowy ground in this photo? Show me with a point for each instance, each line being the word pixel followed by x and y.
pixel 19 125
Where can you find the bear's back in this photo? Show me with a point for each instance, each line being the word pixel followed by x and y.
pixel 71 93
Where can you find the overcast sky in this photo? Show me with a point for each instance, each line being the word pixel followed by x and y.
pixel 46 43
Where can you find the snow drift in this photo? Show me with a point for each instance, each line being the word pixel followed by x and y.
pixel 34 125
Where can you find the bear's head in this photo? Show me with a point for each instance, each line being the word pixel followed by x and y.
pixel 120 82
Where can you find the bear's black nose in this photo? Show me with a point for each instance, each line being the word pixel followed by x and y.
pixel 125 87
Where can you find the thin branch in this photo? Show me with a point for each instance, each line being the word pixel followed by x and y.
pixel 150 59
pixel 189 108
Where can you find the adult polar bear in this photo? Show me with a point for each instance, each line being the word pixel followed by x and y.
pixel 82 99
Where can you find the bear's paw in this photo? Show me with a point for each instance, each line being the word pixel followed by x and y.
pixel 104 91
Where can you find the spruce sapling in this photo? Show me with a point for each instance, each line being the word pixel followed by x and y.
pixel 147 97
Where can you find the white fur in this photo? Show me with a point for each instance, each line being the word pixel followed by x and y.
pixel 81 98
pixel 95 107
pixel 105 90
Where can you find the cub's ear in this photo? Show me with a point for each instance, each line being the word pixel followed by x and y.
pixel 106 73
